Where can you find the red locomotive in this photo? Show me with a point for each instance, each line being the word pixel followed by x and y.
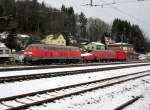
pixel 40 53
pixel 88 57
pixel 121 55
pixel 47 54
pixel 104 55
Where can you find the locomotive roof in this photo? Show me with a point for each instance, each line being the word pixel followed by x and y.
pixel 98 43
pixel 50 45
pixel 105 51
pixel 3 46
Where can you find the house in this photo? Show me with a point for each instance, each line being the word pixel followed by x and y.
pixel 128 48
pixel 122 46
pixel 108 40
pixel 72 40
pixel 95 46
pixel 56 39
pixel 5 53
pixel 23 40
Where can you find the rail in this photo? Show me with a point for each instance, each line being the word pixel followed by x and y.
pixel 67 91
pixel 64 73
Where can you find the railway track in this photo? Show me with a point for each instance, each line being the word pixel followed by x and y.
pixel 64 73
pixel 129 102
pixel 26 67
pixel 25 101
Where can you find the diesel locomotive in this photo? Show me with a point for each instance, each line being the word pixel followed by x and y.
pixel 47 54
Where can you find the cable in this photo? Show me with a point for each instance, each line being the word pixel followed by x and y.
pixel 125 13
pixel 117 9
pixel 112 3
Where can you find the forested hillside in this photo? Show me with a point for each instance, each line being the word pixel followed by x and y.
pixel 124 31
pixel 38 19
pixel 33 17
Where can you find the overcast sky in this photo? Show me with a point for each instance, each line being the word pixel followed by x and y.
pixel 137 12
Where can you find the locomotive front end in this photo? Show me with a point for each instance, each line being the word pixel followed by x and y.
pixel 28 54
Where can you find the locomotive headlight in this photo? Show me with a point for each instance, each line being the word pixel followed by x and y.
pixel 30 54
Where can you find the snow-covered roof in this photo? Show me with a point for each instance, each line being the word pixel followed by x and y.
pixel 97 43
pixel 2 45
pixel 3 35
pixel 120 43
pixel 83 43
pixel 23 35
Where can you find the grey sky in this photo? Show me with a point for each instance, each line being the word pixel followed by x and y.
pixel 137 12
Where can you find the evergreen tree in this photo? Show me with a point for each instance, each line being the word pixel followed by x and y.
pixel 123 31
pixel 1 11
pixel 83 23
pixel 69 22
pixel 11 41
pixel 8 7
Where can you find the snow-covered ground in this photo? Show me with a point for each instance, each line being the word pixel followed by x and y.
pixel 4 67
pixel 25 72
pixel 101 99
pixel 143 103
pixel 10 89
pixel 106 98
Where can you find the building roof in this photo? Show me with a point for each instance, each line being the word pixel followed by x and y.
pixel 23 35
pixel 120 43
pixel 54 36
pixel 97 43
pixel 2 45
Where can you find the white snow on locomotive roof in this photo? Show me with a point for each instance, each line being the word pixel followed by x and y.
pixel 85 54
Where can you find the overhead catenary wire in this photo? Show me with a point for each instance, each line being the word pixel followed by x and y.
pixel 127 14
pixel 111 3
pixel 130 15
